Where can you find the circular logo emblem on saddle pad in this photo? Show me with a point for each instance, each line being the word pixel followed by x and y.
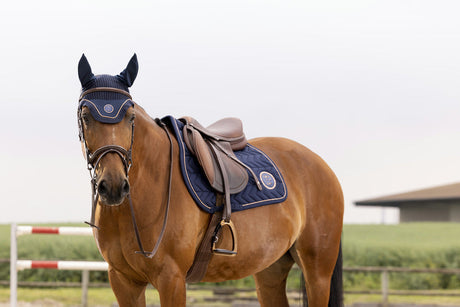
pixel 108 108
pixel 268 180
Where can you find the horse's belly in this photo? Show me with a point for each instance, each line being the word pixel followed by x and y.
pixel 264 235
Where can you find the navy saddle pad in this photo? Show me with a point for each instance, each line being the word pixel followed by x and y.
pixel 273 186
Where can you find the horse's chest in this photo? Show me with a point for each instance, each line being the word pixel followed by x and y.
pixel 109 246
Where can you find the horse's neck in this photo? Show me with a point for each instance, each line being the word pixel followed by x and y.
pixel 151 152
pixel 148 178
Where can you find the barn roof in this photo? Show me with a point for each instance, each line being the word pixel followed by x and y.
pixel 448 192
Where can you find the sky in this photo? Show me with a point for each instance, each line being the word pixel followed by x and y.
pixel 370 86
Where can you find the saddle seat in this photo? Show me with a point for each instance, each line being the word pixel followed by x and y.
pixel 230 129
pixel 213 147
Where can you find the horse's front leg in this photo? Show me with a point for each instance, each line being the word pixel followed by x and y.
pixel 128 292
pixel 171 287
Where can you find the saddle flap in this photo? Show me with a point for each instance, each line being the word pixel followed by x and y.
pixel 237 175
pixel 198 147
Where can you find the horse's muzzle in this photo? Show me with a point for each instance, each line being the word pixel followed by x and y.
pixel 113 192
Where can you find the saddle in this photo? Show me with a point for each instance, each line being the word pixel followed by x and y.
pixel 214 148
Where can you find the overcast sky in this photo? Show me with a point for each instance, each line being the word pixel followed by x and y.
pixel 371 86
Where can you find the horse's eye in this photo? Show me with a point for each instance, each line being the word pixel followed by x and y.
pixel 85 118
pixel 132 117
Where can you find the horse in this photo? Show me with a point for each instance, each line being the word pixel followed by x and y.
pixel 136 180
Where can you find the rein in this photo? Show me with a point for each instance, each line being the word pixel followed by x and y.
pixel 157 245
pixel 93 159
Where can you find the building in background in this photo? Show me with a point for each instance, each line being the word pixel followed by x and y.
pixel 437 204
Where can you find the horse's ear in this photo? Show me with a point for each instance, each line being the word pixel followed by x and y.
pixel 84 71
pixel 130 73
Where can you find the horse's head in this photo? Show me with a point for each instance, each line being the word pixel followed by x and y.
pixel 106 122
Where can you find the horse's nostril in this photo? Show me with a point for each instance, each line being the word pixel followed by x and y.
pixel 125 187
pixel 112 194
pixel 102 187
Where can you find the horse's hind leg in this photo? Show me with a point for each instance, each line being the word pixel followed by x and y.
pixel 317 263
pixel 127 292
pixel 271 282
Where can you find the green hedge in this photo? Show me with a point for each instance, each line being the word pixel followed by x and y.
pixel 417 245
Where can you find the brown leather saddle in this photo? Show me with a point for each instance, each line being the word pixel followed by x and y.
pixel 214 148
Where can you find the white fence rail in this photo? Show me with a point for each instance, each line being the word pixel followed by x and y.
pixel 16 265
pixel 385 289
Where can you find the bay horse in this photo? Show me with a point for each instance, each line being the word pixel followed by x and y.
pixel 134 167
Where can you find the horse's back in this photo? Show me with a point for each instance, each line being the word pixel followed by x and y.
pixel 307 174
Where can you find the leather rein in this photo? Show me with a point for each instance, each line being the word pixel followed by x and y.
pixel 94 158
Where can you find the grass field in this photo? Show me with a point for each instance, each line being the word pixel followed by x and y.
pixel 417 245
pixel 414 236
pixel 105 297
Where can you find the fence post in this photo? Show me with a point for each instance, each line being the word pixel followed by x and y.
pixel 84 287
pixel 385 287
pixel 13 270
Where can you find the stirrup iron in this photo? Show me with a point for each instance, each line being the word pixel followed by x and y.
pixel 215 239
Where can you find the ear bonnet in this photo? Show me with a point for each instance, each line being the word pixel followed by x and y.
pixel 106 96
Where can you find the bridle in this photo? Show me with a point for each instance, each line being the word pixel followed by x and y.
pixel 94 158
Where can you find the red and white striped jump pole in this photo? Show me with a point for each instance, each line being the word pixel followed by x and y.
pixel 16 264
pixel 76 231
pixel 62 265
